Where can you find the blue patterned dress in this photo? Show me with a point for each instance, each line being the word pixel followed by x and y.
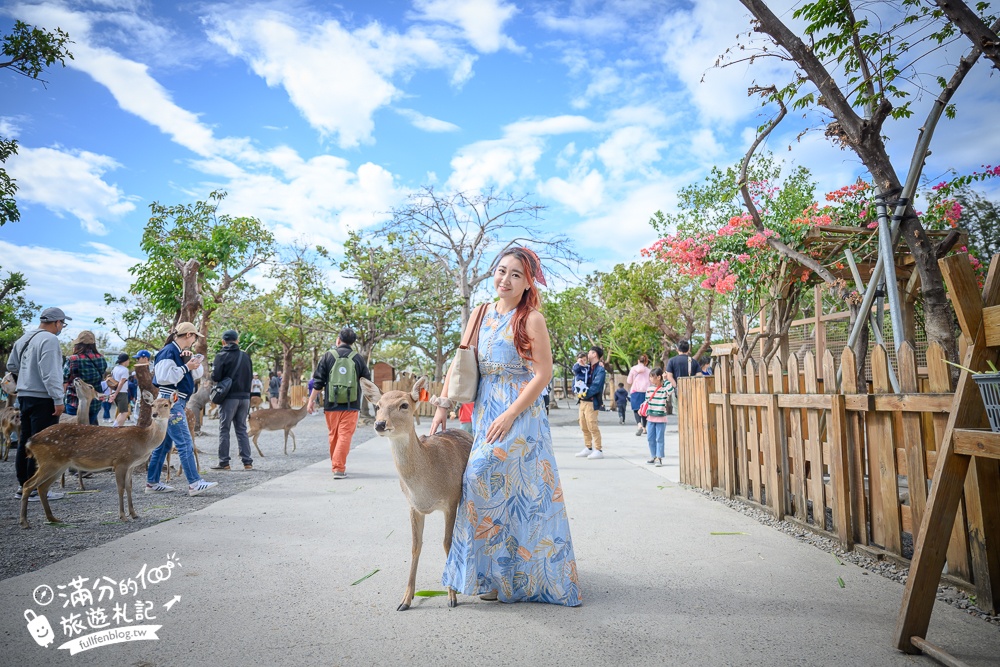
pixel 511 533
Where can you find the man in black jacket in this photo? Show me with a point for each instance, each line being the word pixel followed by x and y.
pixel 341 418
pixel 232 362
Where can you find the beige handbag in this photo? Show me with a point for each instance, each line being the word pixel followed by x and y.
pixel 464 382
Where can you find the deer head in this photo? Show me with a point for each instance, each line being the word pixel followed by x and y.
pixel 84 390
pixel 8 384
pixel 394 410
pixel 161 406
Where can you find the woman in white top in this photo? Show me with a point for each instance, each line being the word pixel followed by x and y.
pixel 638 381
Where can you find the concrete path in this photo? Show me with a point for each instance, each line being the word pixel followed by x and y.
pixel 265 577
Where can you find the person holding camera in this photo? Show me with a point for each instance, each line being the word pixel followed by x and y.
pixel 233 363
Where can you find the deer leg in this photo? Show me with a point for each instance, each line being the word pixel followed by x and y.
pixel 286 441
pixel 40 481
pixel 128 490
pixel 417 525
pixel 449 527
pixel 295 445
pixel 79 476
pixel 255 436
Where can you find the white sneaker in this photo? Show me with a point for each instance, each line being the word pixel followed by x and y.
pixel 598 454
pixel 52 495
pixel 159 487
pixel 585 452
pixel 638 429
pixel 199 486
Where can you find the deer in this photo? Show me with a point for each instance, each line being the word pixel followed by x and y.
pixel 430 468
pixel 63 446
pixel 10 415
pixel 280 419
pixel 196 405
pixel 87 394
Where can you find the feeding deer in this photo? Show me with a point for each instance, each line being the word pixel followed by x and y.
pixel 278 419
pixel 430 468
pixel 64 446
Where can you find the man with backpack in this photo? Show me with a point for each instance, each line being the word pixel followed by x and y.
pixel 338 377
pixel 234 365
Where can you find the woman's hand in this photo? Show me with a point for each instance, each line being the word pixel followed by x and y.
pixel 440 421
pixel 500 427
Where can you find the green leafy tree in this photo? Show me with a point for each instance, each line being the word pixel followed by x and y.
pixel 27 50
pixel 196 257
pixel 575 322
pixel 15 310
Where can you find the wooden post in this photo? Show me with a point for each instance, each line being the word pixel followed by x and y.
pixel 856 450
pixel 819 329
pixel 882 447
pixel 814 448
pixel 916 464
pixel 796 445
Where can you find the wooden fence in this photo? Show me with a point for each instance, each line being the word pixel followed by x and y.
pixel 841 461
pixel 424 409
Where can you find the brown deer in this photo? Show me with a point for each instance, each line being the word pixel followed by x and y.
pixel 87 394
pixel 430 468
pixel 196 405
pixel 76 446
pixel 279 419
pixel 10 416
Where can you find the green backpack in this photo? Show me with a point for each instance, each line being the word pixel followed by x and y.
pixel 343 385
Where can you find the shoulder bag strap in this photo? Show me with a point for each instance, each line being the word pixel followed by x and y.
pixel 26 343
pixel 472 337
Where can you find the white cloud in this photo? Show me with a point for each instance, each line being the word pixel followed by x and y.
pixel 604 81
pixel 70 182
pixel 481 21
pixel 582 194
pixel 426 123
pixel 631 149
pixel 500 162
pixel 546 126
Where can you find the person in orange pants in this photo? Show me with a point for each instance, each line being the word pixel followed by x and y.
pixel 340 407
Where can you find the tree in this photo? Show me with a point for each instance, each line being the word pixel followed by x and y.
pixel 974 27
pixel 15 311
pixel 134 320
pixel 196 257
pixel 464 232
pixel 850 65
pixel 28 51
pixel 653 297
pixel 575 323
pixel 434 326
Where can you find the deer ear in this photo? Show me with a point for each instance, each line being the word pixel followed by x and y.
pixel 148 397
pixel 370 390
pixel 421 383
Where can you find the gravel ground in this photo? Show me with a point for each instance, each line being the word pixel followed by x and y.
pixel 949 594
pixel 92 517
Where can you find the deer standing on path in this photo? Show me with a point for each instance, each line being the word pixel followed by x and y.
pixel 196 405
pixel 430 468
pixel 10 416
pixel 86 394
pixel 278 419
pixel 82 447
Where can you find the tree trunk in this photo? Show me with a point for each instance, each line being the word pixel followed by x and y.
pixel 286 368
pixel 191 300
pixel 201 345
pixel 144 377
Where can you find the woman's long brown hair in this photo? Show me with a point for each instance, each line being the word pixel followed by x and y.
pixel 530 300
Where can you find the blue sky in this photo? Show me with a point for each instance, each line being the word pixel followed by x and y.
pixel 318 118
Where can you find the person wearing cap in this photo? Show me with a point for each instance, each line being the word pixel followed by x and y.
pixel 233 363
pixel 119 389
pixel 89 365
pixel 37 364
pixel 175 371
pixel 256 389
pixel 341 418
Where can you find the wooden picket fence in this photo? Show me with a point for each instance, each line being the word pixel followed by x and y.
pixel 838 460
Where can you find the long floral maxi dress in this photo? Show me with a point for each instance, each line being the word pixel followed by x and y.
pixel 511 532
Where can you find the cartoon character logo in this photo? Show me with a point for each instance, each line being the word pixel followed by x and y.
pixel 39 628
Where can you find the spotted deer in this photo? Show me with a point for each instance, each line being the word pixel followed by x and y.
pixel 10 416
pixel 86 394
pixel 430 468
pixel 65 446
pixel 277 419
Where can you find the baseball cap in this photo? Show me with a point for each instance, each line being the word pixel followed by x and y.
pixel 230 335
pixel 123 357
pixel 53 315
pixel 187 328
pixel 142 354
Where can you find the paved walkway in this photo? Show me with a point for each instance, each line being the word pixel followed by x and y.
pixel 266 578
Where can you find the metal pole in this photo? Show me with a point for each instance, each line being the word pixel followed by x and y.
pixel 886 249
pixel 878 334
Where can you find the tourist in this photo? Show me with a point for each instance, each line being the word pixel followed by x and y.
pixel 638 382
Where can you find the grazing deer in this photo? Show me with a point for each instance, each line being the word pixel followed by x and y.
pixel 280 419
pixel 76 446
pixel 255 402
pixel 430 468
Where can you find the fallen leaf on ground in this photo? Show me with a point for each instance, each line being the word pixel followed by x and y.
pixel 365 577
pixel 430 594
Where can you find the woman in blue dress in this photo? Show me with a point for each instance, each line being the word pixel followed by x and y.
pixel 511 540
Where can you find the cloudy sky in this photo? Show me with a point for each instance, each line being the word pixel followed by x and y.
pixel 318 118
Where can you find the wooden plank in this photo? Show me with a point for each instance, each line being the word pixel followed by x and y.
pixel 796 445
pixel 814 450
pixel 982 494
pixel 742 427
pixel 916 465
pixel 727 441
pixel 753 435
pixel 856 449
pixel 914 402
pixel 840 484
pixel 951 470
pixel 751 400
pixel 817 402
pixel 859 402
pixel 977 442
pixel 882 444
pixel 776 457
pixel 991 320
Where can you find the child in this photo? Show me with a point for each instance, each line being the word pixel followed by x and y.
pixel 621 400
pixel 581 369
pixel 656 415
